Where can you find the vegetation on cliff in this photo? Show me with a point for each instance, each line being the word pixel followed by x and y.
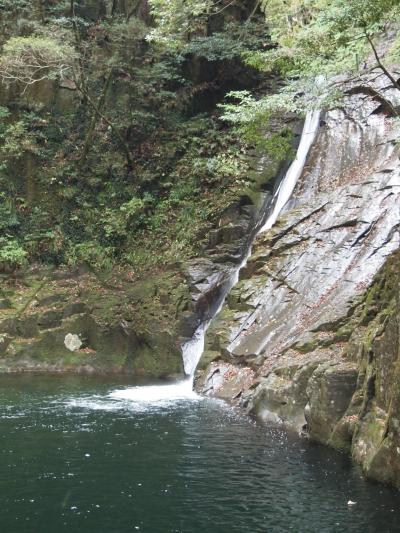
pixel 112 147
pixel 112 151
pixel 316 46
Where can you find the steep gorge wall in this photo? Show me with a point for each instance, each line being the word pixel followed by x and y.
pixel 309 338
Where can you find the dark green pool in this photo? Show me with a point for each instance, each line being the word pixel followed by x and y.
pixel 75 458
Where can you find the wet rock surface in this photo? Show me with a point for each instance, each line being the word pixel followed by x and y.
pixel 313 316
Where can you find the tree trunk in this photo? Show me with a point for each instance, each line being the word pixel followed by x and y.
pixel 40 10
pixel 97 115
pixel 95 119
pixel 30 167
pixel 114 7
pixel 78 44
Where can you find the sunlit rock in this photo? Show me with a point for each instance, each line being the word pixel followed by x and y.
pixel 72 342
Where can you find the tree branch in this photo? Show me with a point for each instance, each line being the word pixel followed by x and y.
pixel 380 64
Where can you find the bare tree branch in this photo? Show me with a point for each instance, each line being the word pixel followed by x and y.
pixel 380 64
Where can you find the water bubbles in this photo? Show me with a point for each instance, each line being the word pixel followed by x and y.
pixel 138 399
pixel 156 394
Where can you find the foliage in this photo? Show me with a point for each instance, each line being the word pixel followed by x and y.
pixel 322 37
pixel 117 222
pixel 123 33
pixel 8 216
pixel 253 119
pixel 11 253
pixel 312 42
pixel 90 253
pixel 28 60
pixel 177 20
pixel 237 40
pixel 13 5
pixel 19 138
pixel 127 91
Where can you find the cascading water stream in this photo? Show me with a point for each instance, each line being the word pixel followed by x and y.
pixel 295 170
pixel 193 349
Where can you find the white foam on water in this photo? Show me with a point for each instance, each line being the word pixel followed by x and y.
pixel 92 403
pixel 137 399
pixel 157 393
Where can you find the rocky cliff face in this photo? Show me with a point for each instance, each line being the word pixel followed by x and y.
pixel 310 335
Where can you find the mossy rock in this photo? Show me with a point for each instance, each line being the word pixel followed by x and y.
pixel 5 303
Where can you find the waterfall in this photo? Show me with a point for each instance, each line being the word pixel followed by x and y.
pixel 193 349
pixel 287 185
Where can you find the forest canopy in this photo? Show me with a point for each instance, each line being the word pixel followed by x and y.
pixel 312 42
pixel 115 113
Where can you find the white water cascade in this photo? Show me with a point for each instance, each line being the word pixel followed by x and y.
pixel 193 349
pixel 145 397
pixel 287 185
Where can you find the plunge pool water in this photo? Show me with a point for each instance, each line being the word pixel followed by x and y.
pixel 96 455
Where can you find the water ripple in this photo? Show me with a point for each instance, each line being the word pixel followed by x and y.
pixel 93 457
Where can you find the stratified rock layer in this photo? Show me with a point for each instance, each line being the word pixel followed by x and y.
pixel 314 317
